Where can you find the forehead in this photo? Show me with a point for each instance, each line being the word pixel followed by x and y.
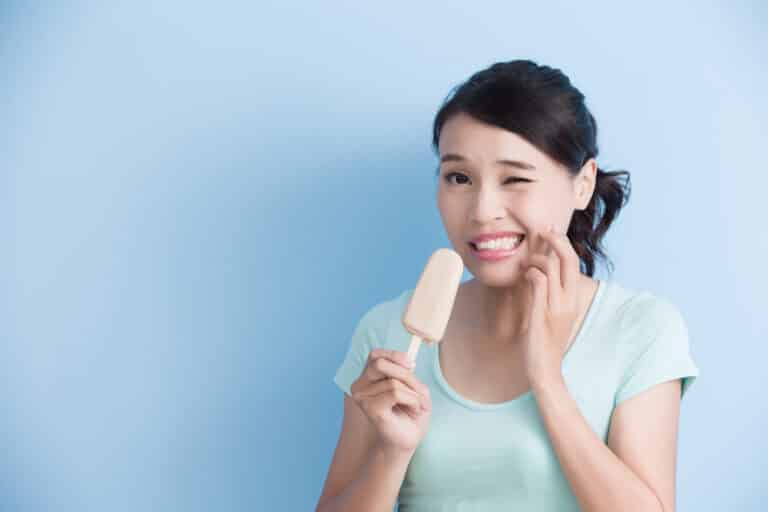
pixel 482 142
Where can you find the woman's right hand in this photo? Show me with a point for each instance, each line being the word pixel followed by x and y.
pixel 395 401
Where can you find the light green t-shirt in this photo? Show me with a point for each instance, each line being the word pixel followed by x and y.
pixel 498 456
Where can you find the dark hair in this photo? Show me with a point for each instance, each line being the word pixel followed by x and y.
pixel 540 104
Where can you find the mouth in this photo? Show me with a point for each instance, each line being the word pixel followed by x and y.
pixel 497 250
pixel 498 246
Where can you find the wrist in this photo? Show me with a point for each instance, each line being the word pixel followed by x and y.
pixel 393 454
pixel 543 381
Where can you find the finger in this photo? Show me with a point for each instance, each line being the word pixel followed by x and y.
pixel 396 356
pixel 544 263
pixel 554 266
pixel 388 384
pixel 553 281
pixel 569 260
pixel 385 385
pixel 382 368
pixel 538 280
pixel 539 245
pixel 392 398
pixel 550 266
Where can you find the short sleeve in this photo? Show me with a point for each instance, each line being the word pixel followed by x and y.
pixel 661 352
pixel 364 339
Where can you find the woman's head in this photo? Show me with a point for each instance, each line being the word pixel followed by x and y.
pixel 521 112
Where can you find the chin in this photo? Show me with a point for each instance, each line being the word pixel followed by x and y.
pixel 498 277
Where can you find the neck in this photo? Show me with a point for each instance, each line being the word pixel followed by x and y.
pixel 498 320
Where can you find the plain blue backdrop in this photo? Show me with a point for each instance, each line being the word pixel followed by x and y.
pixel 199 201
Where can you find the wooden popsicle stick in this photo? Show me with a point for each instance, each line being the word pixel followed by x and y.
pixel 413 348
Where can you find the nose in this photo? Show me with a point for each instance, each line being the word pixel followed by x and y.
pixel 488 205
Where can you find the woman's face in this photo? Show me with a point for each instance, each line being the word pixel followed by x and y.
pixel 478 195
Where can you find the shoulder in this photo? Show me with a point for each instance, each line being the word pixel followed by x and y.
pixel 634 307
pixel 636 315
pixel 645 317
pixel 650 311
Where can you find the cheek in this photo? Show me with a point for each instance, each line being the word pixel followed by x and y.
pixel 452 216
pixel 445 208
pixel 527 207
pixel 450 202
pixel 542 203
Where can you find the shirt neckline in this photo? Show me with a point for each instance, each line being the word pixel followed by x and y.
pixel 528 395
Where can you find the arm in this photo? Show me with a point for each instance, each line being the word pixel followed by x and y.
pixel 376 487
pixel 601 481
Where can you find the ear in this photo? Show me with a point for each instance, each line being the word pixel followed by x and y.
pixel 584 184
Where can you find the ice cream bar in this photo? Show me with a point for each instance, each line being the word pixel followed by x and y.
pixel 429 309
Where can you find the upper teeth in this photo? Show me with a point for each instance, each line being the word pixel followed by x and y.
pixel 500 243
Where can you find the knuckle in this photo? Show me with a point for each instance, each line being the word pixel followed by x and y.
pixel 403 395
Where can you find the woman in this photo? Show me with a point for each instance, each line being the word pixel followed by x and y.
pixel 551 390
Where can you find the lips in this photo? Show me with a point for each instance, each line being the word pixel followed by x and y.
pixel 491 255
pixel 474 246
pixel 474 243
pixel 497 234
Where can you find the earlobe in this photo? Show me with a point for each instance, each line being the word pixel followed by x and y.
pixel 587 183
pixel 581 194
pixel 589 189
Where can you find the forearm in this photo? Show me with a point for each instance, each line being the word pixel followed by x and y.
pixel 376 487
pixel 600 480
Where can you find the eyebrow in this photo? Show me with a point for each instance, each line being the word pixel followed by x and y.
pixel 517 164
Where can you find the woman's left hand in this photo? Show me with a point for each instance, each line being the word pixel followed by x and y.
pixel 551 313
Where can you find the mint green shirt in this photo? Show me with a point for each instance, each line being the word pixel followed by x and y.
pixel 498 456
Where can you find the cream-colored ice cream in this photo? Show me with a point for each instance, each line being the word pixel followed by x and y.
pixel 427 313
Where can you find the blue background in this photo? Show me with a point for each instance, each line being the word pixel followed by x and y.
pixel 198 203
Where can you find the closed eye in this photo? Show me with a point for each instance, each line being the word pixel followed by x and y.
pixel 449 175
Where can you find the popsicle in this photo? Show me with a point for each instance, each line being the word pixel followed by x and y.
pixel 427 313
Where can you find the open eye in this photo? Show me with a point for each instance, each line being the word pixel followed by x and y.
pixel 451 174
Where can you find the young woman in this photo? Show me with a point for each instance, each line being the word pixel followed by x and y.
pixel 551 390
